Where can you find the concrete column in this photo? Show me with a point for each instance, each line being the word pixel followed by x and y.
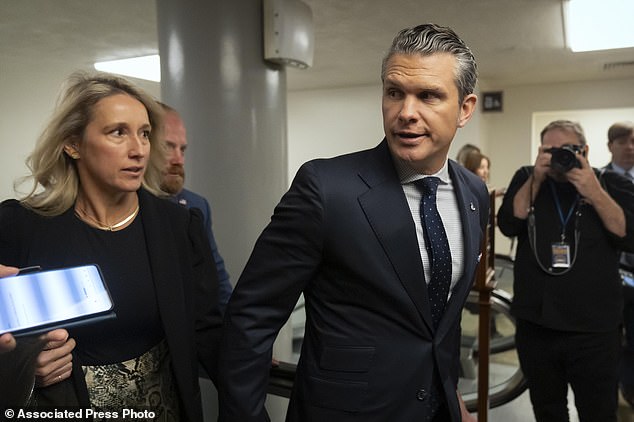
pixel 234 108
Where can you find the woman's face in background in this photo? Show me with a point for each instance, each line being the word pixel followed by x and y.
pixel 483 170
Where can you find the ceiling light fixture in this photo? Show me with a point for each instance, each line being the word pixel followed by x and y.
pixel 591 25
pixel 145 67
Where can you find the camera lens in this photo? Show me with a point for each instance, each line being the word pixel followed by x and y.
pixel 563 159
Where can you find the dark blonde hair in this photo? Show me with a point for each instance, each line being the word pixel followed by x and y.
pixel 466 149
pixel 473 160
pixel 54 178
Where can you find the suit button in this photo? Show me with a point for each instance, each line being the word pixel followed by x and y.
pixel 421 394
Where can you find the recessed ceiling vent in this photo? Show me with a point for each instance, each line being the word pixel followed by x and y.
pixel 618 65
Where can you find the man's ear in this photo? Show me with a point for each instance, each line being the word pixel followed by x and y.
pixel 466 109
pixel 72 151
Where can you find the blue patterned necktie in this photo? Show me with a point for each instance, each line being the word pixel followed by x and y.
pixel 437 247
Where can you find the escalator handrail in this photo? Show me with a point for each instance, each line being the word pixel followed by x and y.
pixel 500 302
pixel 512 388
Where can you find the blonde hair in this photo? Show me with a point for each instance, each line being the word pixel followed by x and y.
pixel 54 178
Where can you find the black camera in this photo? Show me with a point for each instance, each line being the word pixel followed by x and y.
pixel 565 158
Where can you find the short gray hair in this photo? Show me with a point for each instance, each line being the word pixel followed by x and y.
pixel 565 125
pixel 428 39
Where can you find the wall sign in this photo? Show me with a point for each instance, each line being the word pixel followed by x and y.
pixel 492 101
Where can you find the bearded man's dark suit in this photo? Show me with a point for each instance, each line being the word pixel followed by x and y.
pixel 344 236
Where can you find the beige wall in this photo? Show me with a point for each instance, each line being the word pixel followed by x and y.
pixel 29 91
pixel 324 123
pixel 509 133
pixel 329 122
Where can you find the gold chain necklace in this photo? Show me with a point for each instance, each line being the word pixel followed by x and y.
pixel 79 212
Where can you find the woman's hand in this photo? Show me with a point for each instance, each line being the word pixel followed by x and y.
pixel 7 341
pixel 54 363
pixel 7 271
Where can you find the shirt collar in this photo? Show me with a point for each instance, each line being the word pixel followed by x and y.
pixel 406 174
pixel 621 170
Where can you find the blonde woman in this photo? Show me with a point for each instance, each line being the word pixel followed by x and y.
pixel 94 198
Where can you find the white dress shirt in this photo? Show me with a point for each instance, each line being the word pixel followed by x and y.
pixel 447 208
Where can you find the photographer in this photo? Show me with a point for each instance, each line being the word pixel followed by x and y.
pixel 571 221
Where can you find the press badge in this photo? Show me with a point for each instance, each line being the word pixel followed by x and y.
pixel 561 255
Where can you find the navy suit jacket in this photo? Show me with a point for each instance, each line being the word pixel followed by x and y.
pixel 344 236
pixel 627 259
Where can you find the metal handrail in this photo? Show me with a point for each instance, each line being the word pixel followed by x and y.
pixel 515 385
pixel 500 303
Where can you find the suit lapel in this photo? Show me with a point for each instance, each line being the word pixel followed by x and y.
pixel 468 206
pixel 163 251
pixel 388 214
pixel 160 245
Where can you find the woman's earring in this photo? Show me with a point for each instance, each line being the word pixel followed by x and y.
pixel 71 151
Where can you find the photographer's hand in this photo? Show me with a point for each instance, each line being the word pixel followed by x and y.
pixel 542 165
pixel 585 180
pixel 588 186
pixel 523 199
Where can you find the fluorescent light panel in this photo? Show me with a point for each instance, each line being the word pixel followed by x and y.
pixel 145 67
pixel 599 25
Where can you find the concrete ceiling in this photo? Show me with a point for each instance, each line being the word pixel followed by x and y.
pixel 515 41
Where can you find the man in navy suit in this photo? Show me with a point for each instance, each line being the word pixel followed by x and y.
pixel 621 145
pixel 348 235
pixel 173 183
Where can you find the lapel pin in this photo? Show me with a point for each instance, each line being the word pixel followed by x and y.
pixel 473 208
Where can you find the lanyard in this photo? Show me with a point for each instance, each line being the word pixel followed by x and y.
pixel 564 221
